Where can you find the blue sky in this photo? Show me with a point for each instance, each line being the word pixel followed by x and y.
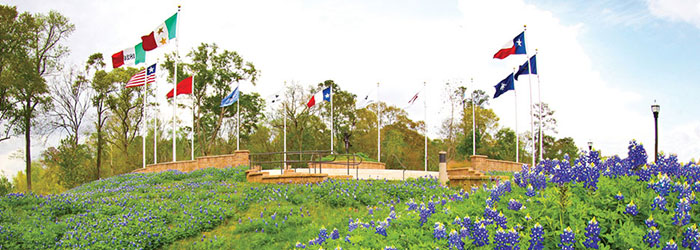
pixel 601 63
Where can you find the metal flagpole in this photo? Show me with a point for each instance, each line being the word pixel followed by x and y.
pixel 532 122
pixel 332 130
pixel 192 140
pixel 284 117
pixel 379 129
pixel 517 136
pixel 144 118
pixel 473 123
pixel 425 117
pixel 238 123
pixel 539 96
pixel 155 129
pixel 177 57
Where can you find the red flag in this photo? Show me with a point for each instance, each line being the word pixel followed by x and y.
pixel 183 88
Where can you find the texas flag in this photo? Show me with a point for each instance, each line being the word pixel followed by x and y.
pixel 323 95
pixel 516 46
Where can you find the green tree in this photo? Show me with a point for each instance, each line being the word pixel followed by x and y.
pixel 486 125
pixel 544 115
pixel 72 161
pixel 126 108
pixel 344 115
pixel 103 85
pixel 43 53
pixel 5 186
pixel 561 147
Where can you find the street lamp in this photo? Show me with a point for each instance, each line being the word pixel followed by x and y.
pixel 590 146
pixel 655 110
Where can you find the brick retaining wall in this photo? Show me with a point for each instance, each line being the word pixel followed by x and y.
pixel 484 164
pixel 238 158
pixel 341 164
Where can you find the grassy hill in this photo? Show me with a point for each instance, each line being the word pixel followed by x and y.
pixel 218 209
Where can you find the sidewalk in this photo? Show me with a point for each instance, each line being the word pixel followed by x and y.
pixel 375 174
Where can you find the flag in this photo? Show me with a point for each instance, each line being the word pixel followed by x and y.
pixel 366 100
pixel 275 98
pixel 523 69
pixel 413 99
pixel 504 85
pixel 231 98
pixel 147 75
pixel 323 95
pixel 161 35
pixel 129 56
pixel 183 88
pixel 516 46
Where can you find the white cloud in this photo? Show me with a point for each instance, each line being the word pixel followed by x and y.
pixel 677 10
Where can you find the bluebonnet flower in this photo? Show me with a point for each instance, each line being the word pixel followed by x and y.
pixel 670 245
pixel 650 221
pixel 530 191
pixel 490 202
pixel 300 245
pixel 454 240
pixel 439 231
pixel 467 223
pixel 481 234
pixel 592 234
pixel 392 215
pixel 644 174
pixel 506 240
pixel 338 248
pixel 389 248
pixel 464 232
pixel 691 237
pixel 514 204
pixel 381 228
pixel 412 205
pixel 682 215
pixel 652 237
pixel 659 202
pixel 424 214
pixel 457 221
pixel 335 235
pixel 619 196
pixel 536 237
pixel 347 238
pixel 636 155
pixel 663 185
pixel 352 225
pixel 631 209
pixel 490 213
pixel 322 236
pixel 567 239
pixel 501 220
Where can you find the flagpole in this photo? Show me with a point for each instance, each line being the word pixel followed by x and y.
pixel 425 118
pixel 332 130
pixel 379 130
pixel 473 123
pixel 284 117
pixel 144 130
pixel 155 129
pixel 177 57
pixel 539 96
pixel 192 139
pixel 532 123
pixel 238 114
pixel 517 136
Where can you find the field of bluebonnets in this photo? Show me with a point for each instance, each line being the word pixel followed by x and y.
pixel 589 202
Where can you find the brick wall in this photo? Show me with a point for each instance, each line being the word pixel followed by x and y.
pixel 484 164
pixel 238 158
pixel 341 165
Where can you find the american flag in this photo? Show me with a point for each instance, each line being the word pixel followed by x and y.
pixel 147 75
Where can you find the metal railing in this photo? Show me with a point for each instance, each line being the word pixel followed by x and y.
pixel 311 159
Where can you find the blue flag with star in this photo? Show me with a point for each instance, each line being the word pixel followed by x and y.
pixel 504 85
pixel 231 98
pixel 526 69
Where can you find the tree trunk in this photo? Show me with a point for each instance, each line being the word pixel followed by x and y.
pixel 27 151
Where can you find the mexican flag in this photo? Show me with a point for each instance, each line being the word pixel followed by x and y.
pixel 129 56
pixel 161 35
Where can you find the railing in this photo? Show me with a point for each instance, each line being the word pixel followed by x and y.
pixel 311 158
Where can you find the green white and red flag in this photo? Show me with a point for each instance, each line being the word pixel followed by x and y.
pixel 129 56
pixel 161 35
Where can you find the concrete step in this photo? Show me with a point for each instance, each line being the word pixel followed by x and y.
pixel 466 171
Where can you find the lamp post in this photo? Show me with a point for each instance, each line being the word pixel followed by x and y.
pixel 590 146
pixel 655 110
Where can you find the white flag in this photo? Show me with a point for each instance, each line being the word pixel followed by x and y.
pixel 364 101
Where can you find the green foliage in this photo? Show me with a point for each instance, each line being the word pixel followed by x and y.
pixel 5 185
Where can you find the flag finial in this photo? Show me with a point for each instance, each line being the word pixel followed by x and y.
pixel 178 7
